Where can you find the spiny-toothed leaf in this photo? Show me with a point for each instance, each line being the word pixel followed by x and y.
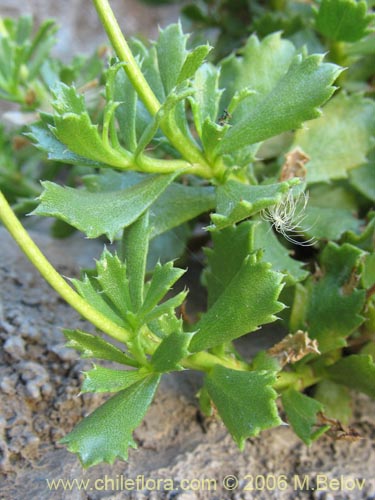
pixel 368 274
pixel 206 98
pixel 73 127
pixel 283 101
pixel 101 379
pixel 339 140
pixel 343 20
pixel 102 212
pixel 301 412
pixel 335 399
pixel 362 178
pixel 365 239
pixel 45 141
pixel 90 291
pixel 179 204
pixel 245 401
pixel 113 279
pixel 334 304
pixel 166 307
pixel 275 253
pixel 237 201
pixel 171 351
pixel 356 371
pixel 192 62
pixel 106 434
pixel 126 112
pixel 247 302
pixel 171 54
pixel 135 248
pixel 231 245
pixel 92 346
pixel 163 278
pixel 250 70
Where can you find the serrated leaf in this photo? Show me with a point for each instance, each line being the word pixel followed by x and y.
pixel 106 434
pixel 245 401
pixel 73 127
pixel 101 379
pixel 237 201
pixel 356 371
pixel 102 212
pixel 248 301
pixel 45 141
pixel 90 291
pixel 135 248
pixel 206 98
pixel 112 275
pixel 231 245
pixel 92 346
pixel 301 412
pixel 163 278
pixel 171 351
pixel 343 20
pixel 275 253
pixel 334 305
pixel 335 399
pixel 285 100
pixel 192 62
pixel 339 140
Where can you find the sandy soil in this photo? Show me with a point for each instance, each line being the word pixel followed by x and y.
pixel 39 402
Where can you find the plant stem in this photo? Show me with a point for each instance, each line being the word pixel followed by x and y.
pixel 139 82
pixel 52 277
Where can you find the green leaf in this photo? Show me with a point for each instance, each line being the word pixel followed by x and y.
pixel 102 212
pixel 335 399
pixel 179 204
pixel 339 140
pixel 231 245
pixel 73 127
pixel 362 178
pixel 135 249
pixel 334 305
pixel 193 62
pixel 163 278
pixel 343 20
pixel 248 301
pixel 171 55
pixel 89 289
pixel 301 412
pixel 45 141
pixel 112 276
pixel 281 103
pixel 91 346
pixel 101 379
pixel 330 223
pixel 275 253
pixel 237 201
pixel 356 371
pixel 106 434
pixel 171 351
pixel 245 401
pixel 206 98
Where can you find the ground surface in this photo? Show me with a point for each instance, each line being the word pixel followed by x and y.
pixel 39 401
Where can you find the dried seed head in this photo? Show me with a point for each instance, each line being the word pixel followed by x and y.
pixel 287 217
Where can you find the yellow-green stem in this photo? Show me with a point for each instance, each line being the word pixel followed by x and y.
pixel 187 149
pixel 52 277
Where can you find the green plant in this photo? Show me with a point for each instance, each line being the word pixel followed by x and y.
pixel 175 138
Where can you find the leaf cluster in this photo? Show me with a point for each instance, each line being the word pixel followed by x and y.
pixel 177 149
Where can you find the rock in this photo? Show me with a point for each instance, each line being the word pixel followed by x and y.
pixel 15 346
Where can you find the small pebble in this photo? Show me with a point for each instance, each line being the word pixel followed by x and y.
pixel 64 353
pixel 15 346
